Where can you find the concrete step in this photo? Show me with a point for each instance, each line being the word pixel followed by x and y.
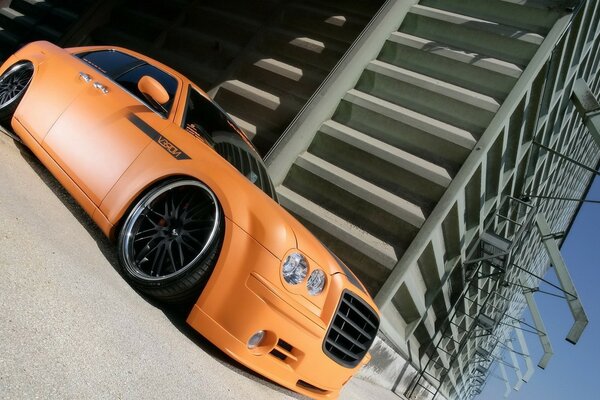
pixel 518 14
pixel 471 70
pixel 267 100
pixel 318 19
pixel 299 46
pixel 448 103
pixel 402 136
pixel 478 24
pixel 396 206
pixel 77 6
pixel 64 15
pixel 222 27
pixel 384 170
pixel 422 122
pixel 203 71
pixel 9 41
pixel 137 23
pixel 47 32
pixel 201 47
pixel 157 9
pixel 437 86
pixel 383 151
pixel 34 8
pixel 364 8
pixel 341 195
pixel 256 10
pixel 17 22
pixel 471 34
pixel 227 16
pixel 370 246
pixel 111 35
pixel 252 116
pixel 287 75
pixel 266 113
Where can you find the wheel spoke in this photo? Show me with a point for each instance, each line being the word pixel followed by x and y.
pixel 156 267
pixel 146 251
pixel 180 248
pixel 171 258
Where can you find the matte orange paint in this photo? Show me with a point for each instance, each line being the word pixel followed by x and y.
pixel 86 141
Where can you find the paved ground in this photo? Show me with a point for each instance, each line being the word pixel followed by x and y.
pixel 71 327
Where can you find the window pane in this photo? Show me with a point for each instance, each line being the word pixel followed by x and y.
pixel 208 122
pixel 109 62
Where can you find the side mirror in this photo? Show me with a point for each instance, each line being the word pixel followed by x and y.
pixel 153 90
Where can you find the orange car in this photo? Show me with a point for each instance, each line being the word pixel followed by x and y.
pixel 169 176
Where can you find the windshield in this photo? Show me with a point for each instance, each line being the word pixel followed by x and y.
pixel 208 122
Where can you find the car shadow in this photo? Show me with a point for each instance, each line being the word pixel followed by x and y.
pixel 176 314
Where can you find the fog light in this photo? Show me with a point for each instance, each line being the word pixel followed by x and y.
pixel 256 339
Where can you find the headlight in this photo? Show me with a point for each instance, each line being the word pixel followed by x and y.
pixel 294 268
pixel 316 282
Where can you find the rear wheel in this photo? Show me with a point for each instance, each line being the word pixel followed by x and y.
pixel 13 85
pixel 170 240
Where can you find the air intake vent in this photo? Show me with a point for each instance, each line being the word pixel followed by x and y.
pixel 352 331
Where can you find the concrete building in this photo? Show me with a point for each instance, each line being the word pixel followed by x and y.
pixel 439 147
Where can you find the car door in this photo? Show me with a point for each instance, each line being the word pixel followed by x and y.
pixel 106 127
pixel 58 81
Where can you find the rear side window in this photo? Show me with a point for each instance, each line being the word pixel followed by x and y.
pixel 127 70
pixel 208 122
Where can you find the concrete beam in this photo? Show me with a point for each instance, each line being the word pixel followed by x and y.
pixel 540 327
pixel 588 107
pixel 525 351
pixel 505 379
pixel 515 363
pixel 564 278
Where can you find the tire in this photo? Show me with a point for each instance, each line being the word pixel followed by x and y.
pixel 170 240
pixel 13 85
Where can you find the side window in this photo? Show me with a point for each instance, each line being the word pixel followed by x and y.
pixel 206 121
pixel 109 62
pixel 129 81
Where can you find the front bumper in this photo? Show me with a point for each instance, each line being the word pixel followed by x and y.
pixel 239 300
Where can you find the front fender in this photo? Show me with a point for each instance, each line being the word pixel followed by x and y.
pixel 242 202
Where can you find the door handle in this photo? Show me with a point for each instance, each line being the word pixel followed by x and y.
pixel 101 87
pixel 85 77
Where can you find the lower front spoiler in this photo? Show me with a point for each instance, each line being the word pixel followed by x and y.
pixel 264 364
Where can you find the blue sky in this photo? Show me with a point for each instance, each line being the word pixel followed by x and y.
pixel 574 371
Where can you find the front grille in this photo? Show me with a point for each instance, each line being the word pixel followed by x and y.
pixel 352 331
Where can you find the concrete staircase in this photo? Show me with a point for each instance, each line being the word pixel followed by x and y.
pixel 287 60
pixel 374 171
pixel 23 21
pixel 261 60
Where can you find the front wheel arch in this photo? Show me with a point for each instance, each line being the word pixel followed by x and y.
pixel 161 232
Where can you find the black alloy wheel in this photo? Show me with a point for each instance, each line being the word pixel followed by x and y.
pixel 169 241
pixel 13 85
